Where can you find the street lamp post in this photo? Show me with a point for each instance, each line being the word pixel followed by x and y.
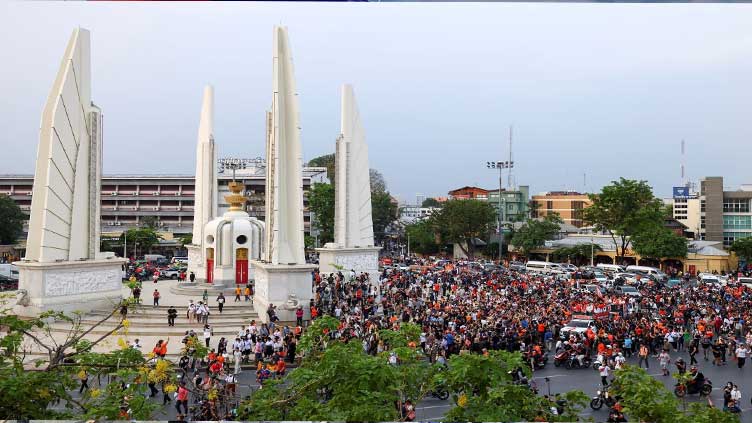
pixel 591 252
pixel 508 164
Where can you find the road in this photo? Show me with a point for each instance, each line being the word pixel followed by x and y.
pixel 561 380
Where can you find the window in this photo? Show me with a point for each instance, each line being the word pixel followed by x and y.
pixel 737 222
pixel 736 205
pixel 702 205
pixel 549 205
pixel 730 237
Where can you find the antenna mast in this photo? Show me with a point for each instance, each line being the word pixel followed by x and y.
pixel 509 177
pixel 683 161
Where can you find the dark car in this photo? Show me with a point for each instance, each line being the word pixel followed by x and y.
pixel 8 284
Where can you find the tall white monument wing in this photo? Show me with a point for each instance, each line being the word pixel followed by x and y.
pixel 284 187
pixel 205 200
pixel 64 221
pixel 353 220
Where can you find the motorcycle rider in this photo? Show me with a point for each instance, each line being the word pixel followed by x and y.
pixel 698 379
pixel 580 350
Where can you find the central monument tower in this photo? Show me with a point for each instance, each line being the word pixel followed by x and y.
pixel 283 278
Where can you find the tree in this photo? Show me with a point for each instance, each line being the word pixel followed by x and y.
pixel 144 237
pixel 29 388
pixel 461 221
pixel 623 209
pixel 326 161
pixel 321 204
pixel 431 202
pixel 11 220
pixel 578 253
pixel 186 239
pixel 482 390
pixel 151 222
pixel 659 242
pixel 338 380
pixel 647 399
pixel 378 183
pixel 383 211
pixel 422 237
pixel 534 233
pixel 743 248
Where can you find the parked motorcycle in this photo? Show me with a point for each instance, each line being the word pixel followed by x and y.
pixel 602 397
pixel 561 357
pixel 680 389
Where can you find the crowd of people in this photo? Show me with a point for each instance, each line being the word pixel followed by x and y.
pixel 464 309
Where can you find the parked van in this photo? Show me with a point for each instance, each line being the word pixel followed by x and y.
pixel 649 270
pixel 542 267
pixel 157 259
pixel 615 268
pixel 179 260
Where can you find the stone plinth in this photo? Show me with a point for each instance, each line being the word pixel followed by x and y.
pixel 360 259
pixel 195 264
pixel 284 285
pixel 69 286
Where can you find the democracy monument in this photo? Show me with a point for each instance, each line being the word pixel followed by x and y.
pixel 64 269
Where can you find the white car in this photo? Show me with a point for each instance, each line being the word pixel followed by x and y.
pixel 631 278
pixel 568 267
pixel 600 277
pixel 578 324
pixel 709 278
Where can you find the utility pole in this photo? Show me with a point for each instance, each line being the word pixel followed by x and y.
pixel 501 165
pixel 125 244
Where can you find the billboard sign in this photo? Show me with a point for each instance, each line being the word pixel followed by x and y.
pixel 681 192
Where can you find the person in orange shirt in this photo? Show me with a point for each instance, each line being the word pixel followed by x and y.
pixel 281 366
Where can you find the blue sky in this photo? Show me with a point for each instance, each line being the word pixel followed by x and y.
pixel 604 89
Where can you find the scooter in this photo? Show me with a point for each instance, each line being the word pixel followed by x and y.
pixel 561 357
pixel 440 393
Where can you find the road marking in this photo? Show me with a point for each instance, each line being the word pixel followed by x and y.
pixel 434 406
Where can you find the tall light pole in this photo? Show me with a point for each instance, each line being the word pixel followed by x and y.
pixel 592 252
pixel 508 164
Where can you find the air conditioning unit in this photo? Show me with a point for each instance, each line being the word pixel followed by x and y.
pixel 154 193
pixel 156 208
pixel 29 193
pixel 113 193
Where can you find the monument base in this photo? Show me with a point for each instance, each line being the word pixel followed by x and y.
pixel 287 286
pixel 69 286
pixel 195 264
pixel 361 259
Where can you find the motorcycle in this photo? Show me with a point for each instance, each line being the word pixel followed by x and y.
pixel 440 393
pixel 615 416
pixel 680 389
pixel 602 397
pixel 539 362
pixel 574 363
pixel 561 357
pixel 598 361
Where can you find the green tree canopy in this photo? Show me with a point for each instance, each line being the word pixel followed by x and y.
pixel 534 233
pixel 743 248
pixel 144 237
pixel 30 387
pixel 577 252
pixel 337 380
pixel 422 237
pixel 646 399
pixel 460 221
pixel 659 242
pixel 11 220
pixel 431 202
pixel 623 209
pixel 383 211
pixel 482 390
pixel 321 204
pixel 326 161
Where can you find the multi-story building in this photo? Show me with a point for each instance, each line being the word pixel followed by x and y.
pixel 724 215
pixel 468 193
pixel 167 200
pixel 686 208
pixel 568 204
pixel 513 203
pixel 412 213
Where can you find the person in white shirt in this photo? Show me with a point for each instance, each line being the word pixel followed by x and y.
pixel 619 361
pixel 236 354
pixel 207 334
pixel 741 355
pixel 605 371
